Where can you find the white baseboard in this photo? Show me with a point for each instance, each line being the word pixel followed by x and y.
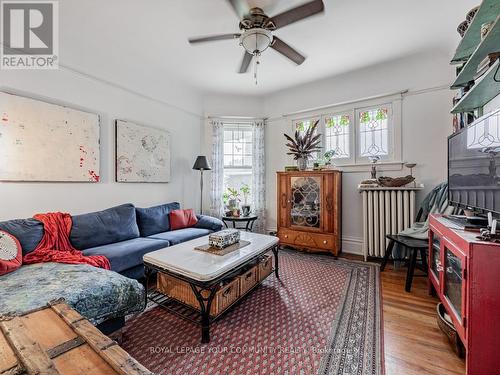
pixel 350 245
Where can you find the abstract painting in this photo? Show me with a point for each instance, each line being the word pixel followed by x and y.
pixel 40 141
pixel 142 153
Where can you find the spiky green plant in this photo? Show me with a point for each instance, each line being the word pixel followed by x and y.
pixel 233 194
pixel 304 145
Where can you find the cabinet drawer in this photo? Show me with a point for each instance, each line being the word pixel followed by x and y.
pixel 308 240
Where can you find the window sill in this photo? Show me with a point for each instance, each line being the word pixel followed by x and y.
pixel 366 167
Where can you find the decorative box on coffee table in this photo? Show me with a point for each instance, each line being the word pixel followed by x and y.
pixel 224 238
pixel 58 340
pixel 309 210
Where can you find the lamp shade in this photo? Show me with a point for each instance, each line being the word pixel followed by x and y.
pixel 201 163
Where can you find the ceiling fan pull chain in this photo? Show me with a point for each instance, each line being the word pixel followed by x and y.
pixel 255 71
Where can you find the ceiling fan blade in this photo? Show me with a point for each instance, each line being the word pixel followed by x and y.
pixel 287 51
pixel 247 59
pixel 212 38
pixel 240 7
pixel 296 14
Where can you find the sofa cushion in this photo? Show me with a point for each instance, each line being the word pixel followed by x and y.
pixel 127 254
pixel 181 235
pixel 29 232
pixel 104 227
pixel 180 219
pixel 155 219
pixel 209 222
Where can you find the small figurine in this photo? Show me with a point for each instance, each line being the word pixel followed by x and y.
pixel 374 160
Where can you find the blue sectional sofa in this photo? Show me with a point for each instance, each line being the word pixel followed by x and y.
pixel 123 234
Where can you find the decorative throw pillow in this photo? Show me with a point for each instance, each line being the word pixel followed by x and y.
pixel 11 254
pixel 182 219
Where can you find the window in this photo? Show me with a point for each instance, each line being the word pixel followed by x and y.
pixel 337 135
pixel 373 132
pixel 237 157
pixel 355 134
pixel 237 147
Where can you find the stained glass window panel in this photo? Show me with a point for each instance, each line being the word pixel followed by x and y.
pixel 303 125
pixel 337 135
pixel 484 133
pixel 374 132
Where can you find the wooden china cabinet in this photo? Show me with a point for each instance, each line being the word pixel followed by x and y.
pixel 309 210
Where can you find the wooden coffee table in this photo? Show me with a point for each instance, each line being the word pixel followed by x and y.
pixel 204 273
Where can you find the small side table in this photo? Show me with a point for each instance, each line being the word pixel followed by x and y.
pixel 246 220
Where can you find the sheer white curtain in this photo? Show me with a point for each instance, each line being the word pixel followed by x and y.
pixel 217 175
pixel 259 176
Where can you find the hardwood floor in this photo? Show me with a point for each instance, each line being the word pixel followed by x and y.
pixel 413 342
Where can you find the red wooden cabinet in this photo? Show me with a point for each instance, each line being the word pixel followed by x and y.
pixel 465 274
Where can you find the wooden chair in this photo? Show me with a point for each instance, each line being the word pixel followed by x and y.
pixel 413 245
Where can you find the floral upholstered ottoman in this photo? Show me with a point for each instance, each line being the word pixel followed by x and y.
pixel 97 294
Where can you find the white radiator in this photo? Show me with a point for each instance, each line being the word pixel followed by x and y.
pixel 385 211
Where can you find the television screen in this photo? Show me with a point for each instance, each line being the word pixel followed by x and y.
pixel 474 165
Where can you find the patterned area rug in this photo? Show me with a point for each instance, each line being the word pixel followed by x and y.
pixel 323 317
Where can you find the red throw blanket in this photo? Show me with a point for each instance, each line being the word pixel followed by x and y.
pixel 55 245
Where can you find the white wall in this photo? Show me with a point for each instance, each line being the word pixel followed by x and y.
pixel 426 123
pixel 183 119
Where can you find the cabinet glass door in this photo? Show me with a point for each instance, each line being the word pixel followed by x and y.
pixel 435 258
pixel 305 205
pixel 453 281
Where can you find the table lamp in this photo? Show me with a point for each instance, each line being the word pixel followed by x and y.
pixel 201 164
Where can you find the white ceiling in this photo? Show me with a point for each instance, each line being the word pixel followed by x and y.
pixel 147 40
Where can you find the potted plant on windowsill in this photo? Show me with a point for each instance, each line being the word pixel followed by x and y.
pixel 233 201
pixel 301 147
pixel 327 157
pixel 245 207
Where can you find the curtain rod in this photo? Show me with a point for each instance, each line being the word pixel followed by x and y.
pixel 234 118
pixel 344 103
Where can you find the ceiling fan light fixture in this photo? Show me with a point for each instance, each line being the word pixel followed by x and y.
pixel 256 41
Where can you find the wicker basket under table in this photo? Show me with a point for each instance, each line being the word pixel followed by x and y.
pixel 225 296
pixel 265 267
pixel 181 291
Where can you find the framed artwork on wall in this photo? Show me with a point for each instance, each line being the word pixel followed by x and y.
pixel 46 142
pixel 142 153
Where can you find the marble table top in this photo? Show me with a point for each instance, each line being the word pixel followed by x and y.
pixel 184 260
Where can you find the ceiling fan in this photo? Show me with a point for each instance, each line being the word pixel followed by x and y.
pixel 257 30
